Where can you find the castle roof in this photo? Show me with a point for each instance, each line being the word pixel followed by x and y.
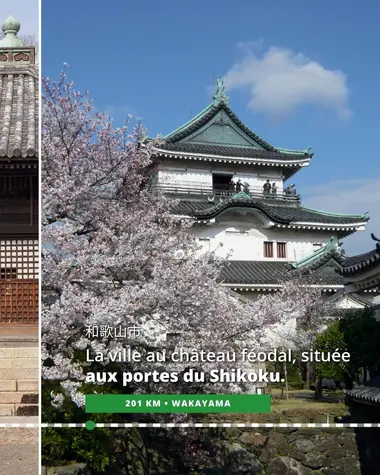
pixel 355 265
pixel 217 134
pixel 262 275
pixel 289 215
pixel 19 98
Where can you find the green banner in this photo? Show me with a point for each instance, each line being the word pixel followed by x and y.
pixel 178 403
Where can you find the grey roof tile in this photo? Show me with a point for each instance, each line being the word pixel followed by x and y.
pixel 370 391
pixel 19 109
pixel 272 273
pixel 356 264
pixel 254 272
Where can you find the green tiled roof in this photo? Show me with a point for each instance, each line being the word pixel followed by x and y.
pixel 282 214
pixel 230 151
pixel 206 116
pixel 321 256
pixel 202 134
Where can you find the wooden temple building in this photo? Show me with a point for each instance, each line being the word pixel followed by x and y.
pixel 237 188
pixel 19 222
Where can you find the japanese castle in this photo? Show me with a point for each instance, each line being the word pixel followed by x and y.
pixel 238 189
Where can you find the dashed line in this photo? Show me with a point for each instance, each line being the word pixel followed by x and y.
pixel 90 425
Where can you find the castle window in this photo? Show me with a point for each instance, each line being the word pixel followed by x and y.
pixel 8 273
pixel 281 250
pixel 221 181
pixel 268 249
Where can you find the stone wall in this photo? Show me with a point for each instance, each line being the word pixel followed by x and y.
pixel 250 451
pixel 235 451
pixel 19 381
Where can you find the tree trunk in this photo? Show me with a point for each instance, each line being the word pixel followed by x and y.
pixel 307 375
pixel 318 388
pixel 286 380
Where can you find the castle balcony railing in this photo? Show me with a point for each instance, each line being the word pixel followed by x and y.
pixel 183 189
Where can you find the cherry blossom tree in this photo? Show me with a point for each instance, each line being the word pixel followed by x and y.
pixel 309 320
pixel 109 259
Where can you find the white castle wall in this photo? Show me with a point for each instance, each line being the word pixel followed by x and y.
pixel 245 241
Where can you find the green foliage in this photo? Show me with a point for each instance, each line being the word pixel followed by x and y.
pixel 362 335
pixel 295 381
pixel 60 446
pixel 357 333
pixel 329 341
pixel 294 375
pixel 64 445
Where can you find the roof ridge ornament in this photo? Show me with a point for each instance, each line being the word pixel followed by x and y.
pixel 10 28
pixel 241 195
pixel 334 243
pixel 377 242
pixel 14 53
pixel 220 93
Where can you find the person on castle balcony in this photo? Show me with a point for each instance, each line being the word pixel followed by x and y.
pixel 246 188
pixel 292 190
pixel 267 187
pixel 231 186
pixel 274 189
pixel 238 186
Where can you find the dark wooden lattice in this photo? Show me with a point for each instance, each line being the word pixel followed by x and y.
pixel 19 280
pixel 19 301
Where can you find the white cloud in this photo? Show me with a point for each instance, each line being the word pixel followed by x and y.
pixel 351 196
pixel 280 80
pixel 26 12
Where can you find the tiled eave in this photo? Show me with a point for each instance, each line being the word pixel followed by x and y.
pixel 230 159
pixel 269 275
pixel 352 227
pixel 347 229
pixel 281 216
pixel 362 266
pixel 371 283
pixel 365 394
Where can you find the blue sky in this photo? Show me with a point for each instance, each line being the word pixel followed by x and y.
pixel 25 11
pixel 298 75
